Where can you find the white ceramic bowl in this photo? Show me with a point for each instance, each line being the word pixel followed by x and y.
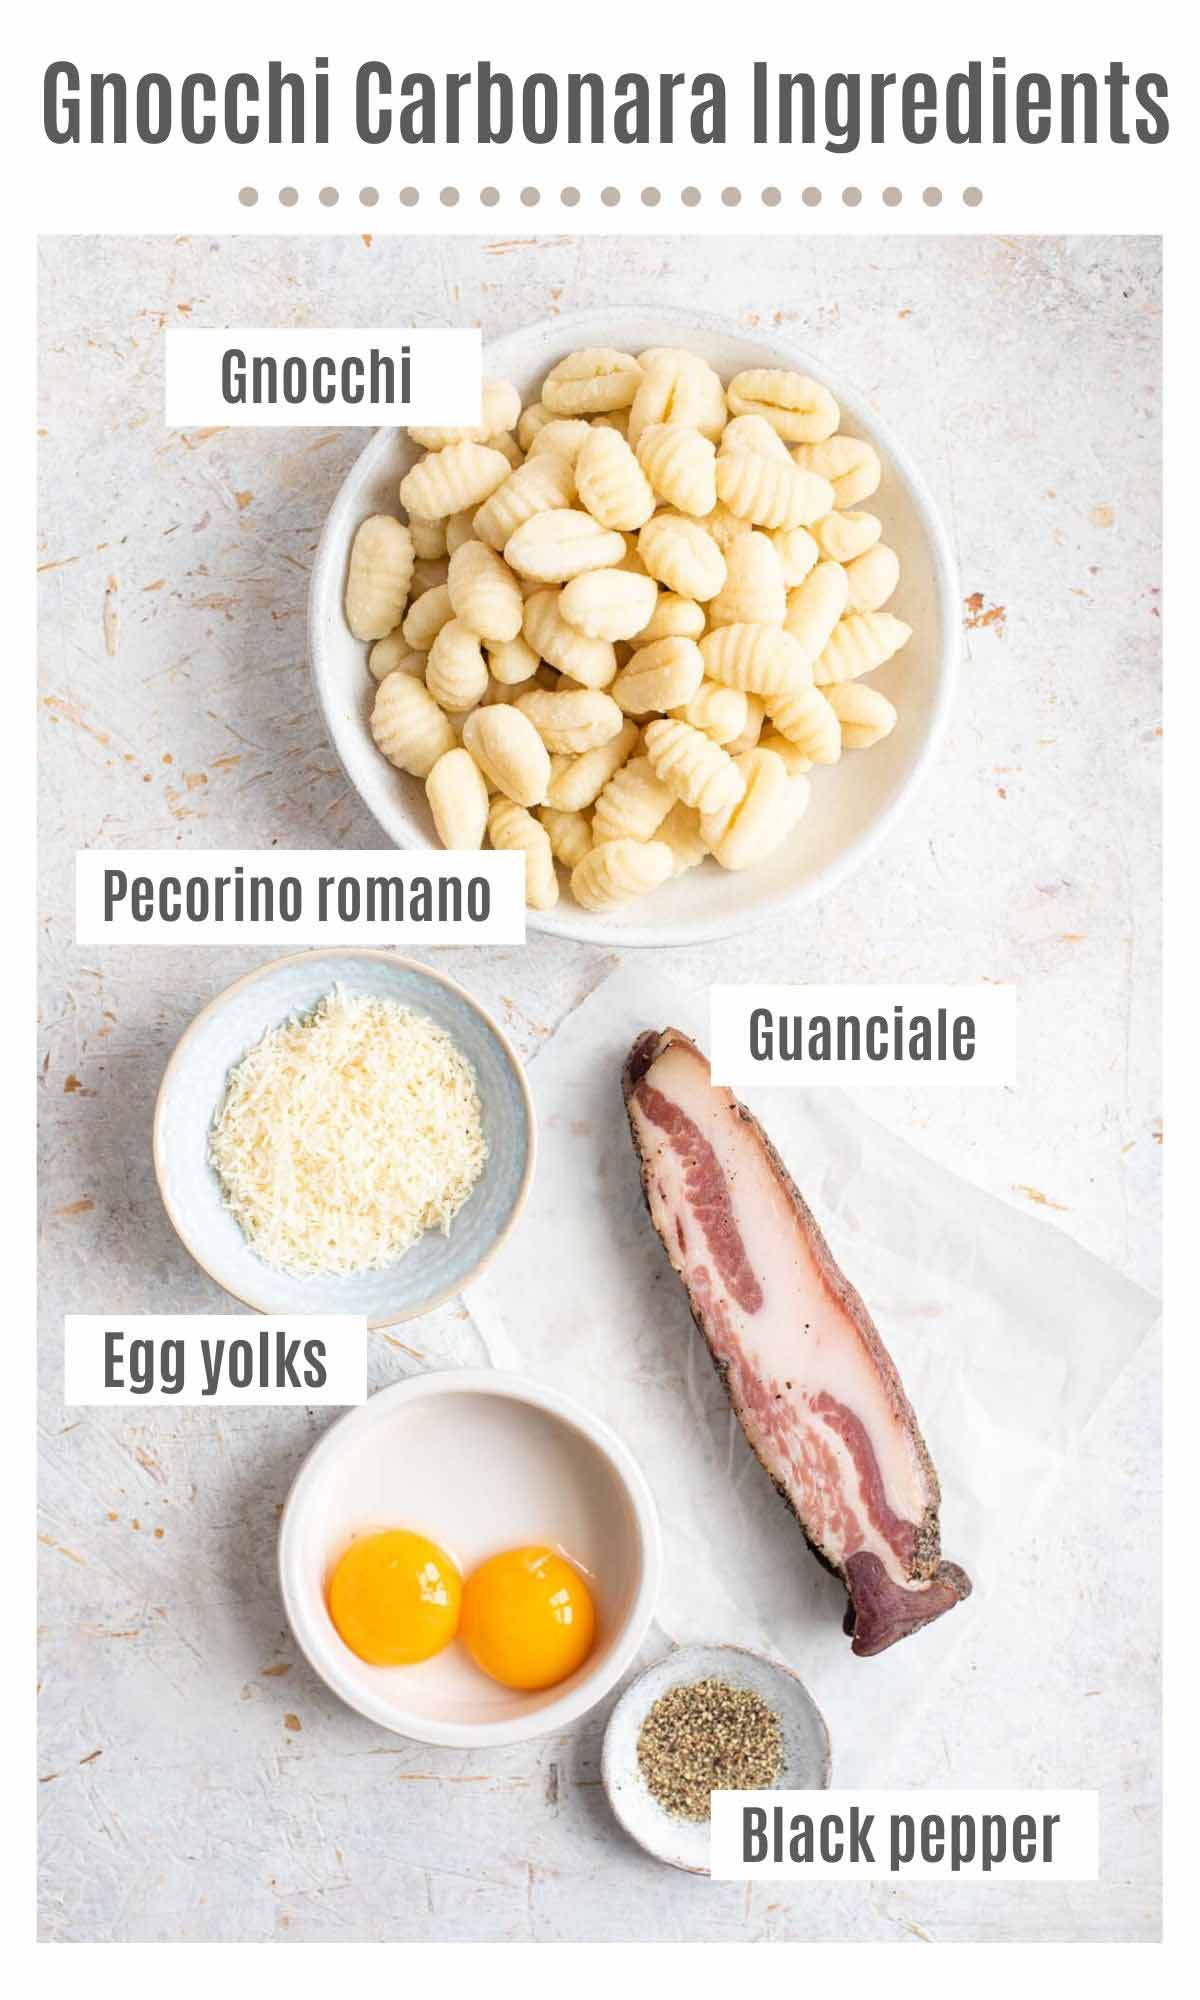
pixel 479 1461
pixel 854 804
pixel 684 1843
pixel 437 1267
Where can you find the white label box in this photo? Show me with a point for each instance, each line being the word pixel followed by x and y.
pixel 867 1836
pixel 271 377
pixel 809 1036
pixel 194 1358
pixel 298 896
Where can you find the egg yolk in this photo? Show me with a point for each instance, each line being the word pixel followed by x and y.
pixel 527 1618
pixel 395 1598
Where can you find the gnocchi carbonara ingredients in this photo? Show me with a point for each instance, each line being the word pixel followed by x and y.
pixel 343 1135
pixel 623 624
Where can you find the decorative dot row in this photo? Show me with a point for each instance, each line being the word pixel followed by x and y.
pixel 650 197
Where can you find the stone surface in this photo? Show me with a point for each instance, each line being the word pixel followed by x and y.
pixel 196 1781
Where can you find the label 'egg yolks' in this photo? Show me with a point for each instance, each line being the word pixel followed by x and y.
pixel 527 1618
pixel 395 1598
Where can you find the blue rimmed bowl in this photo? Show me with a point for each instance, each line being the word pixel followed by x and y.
pixel 437 1267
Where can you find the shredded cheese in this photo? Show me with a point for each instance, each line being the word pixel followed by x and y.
pixel 344 1135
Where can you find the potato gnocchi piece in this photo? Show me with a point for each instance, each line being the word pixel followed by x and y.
pixel 814 609
pixel 844 536
pixel 754 434
pixel 659 677
pixel 565 436
pixel 576 782
pixel 807 719
pixel 677 388
pixel 860 642
pixel 680 831
pixel 801 410
pixel 532 419
pixel 485 594
pixel 554 547
pixel 680 464
pixel 457 476
pixel 865 715
pixel 761 820
pixel 591 662
pixel 408 726
pixel 569 834
pixel 609 603
pixel 500 406
pixel 536 487
pixel 394 655
pixel 458 799
pixel 769 492
pixel 754 592
pixel 513 662
pixel 795 763
pixel 572 720
pixel 756 715
pixel 633 804
pixel 456 673
pixel 428 537
pixel 377 581
pixel 509 752
pixel 618 870
pixel 872 578
pixel 592 380
pixel 512 827
pixel 850 464
pixel 424 619
pixel 611 483
pixel 758 659
pixel 721 712
pixel 695 768
pixel 673 617
pixel 797 551
pixel 681 554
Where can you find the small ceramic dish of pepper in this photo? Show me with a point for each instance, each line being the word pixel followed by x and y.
pixel 707 1718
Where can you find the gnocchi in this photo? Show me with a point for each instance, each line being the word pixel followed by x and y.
pixel 617 870
pixel 572 720
pixel 681 554
pixel 624 625
pixel 680 464
pixel 609 603
pixel 755 825
pixel 509 751
pixel 660 677
pixel 381 567
pixel 511 826
pixel 695 768
pixel 458 799
pixel 484 592
pixel 457 476
pixel 408 726
pixel 612 483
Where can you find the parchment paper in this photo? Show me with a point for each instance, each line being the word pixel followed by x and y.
pixel 1006 1335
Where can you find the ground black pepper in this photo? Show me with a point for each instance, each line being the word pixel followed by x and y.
pixel 708 1737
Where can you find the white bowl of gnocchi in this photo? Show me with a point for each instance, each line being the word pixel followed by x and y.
pixel 677 621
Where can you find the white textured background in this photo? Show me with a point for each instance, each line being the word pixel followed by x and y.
pixel 196 1781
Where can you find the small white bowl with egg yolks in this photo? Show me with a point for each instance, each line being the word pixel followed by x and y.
pixel 479 1461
